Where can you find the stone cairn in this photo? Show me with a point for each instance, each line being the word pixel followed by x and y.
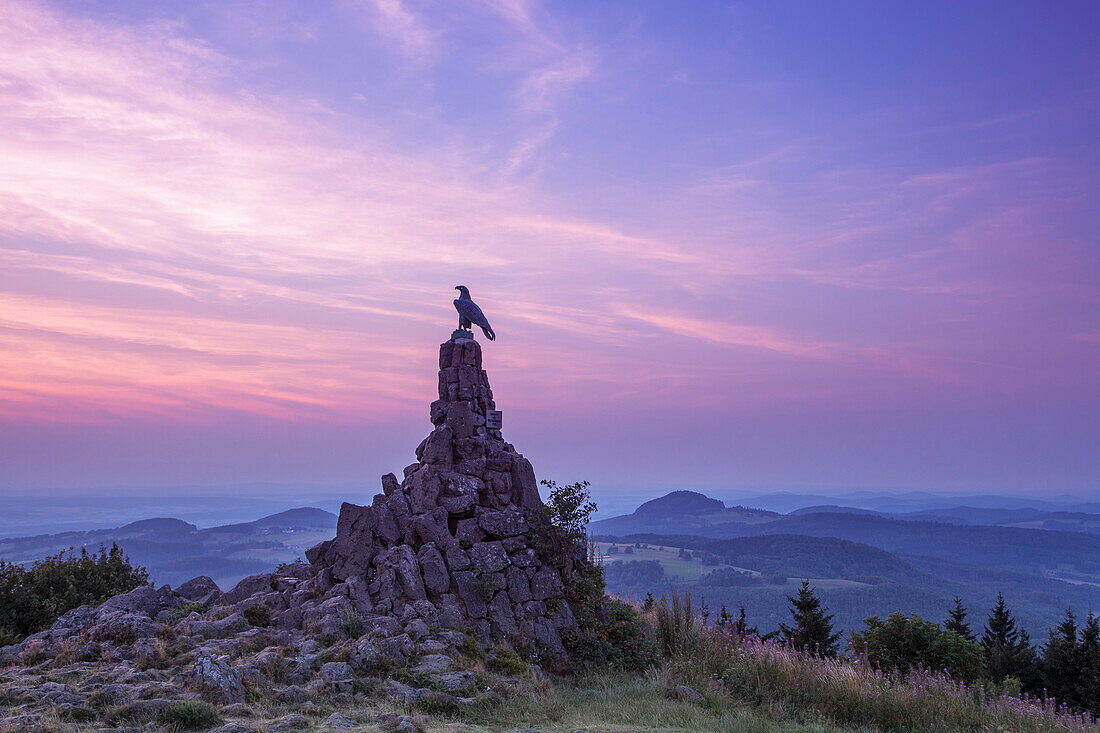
pixel 459 546
pixel 452 541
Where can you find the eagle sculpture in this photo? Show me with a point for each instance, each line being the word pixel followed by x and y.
pixel 469 313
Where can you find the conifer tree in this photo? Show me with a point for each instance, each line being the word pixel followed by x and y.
pixel 813 628
pixel 741 625
pixel 1088 656
pixel 725 621
pixel 1008 649
pixel 956 621
pixel 1061 668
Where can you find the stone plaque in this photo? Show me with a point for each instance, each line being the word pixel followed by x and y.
pixel 494 419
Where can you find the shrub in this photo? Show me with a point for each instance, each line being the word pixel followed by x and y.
pixel 902 644
pixel 615 638
pixel 506 661
pixel 258 615
pixel 352 624
pixel 469 646
pixel 189 715
pixel 854 694
pixel 560 526
pixel 179 613
pixel 31 599
pixel 569 507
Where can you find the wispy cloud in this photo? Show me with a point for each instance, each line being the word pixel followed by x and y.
pixel 398 23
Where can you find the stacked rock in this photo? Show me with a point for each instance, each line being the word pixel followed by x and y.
pixel 452 542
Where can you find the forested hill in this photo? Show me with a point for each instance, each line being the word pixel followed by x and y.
pixel 684 512
pixel 1007 548
pixel 1074 555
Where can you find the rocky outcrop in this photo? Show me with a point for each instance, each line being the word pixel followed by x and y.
pixel 457 546
pixel 451 542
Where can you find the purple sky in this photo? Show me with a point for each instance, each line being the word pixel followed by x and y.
pixel 725 245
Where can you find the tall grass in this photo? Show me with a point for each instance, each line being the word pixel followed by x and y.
pixel 852 692
pixel 847 692
pixel 676 625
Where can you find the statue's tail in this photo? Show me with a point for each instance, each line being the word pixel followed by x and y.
pixel 489 332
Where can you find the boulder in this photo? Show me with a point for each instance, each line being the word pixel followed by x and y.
pixel 215 679
pixel 202 590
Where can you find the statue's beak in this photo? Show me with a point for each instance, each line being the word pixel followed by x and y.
pixel 458 287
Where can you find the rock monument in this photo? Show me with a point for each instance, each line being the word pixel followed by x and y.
pixel 455 541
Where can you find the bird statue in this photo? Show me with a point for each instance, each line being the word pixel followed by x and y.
pixel 469 313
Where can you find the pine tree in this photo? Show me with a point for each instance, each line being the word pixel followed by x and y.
pixel 956 621
pixel 813 628
pixel 725 621
pixel 1008 649
pixel 1061 669
pixel 741 626
pixel 1088 656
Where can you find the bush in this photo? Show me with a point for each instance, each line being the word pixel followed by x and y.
pixel 190 715
pixel 617 638
pixel 181 612
pixel 506 661
pixel 258 615
pixel 902 644
pixel 570 507
pixel 31 599
pixel 561 525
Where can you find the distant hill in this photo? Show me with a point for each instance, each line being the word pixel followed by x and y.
pixel 175 551
pixel 1069 521
pixel 303 517
pixel 1038 543
pixel 833 508
pixel 1005 548
pixel 855 580
pixel 682 512
pixel 865 561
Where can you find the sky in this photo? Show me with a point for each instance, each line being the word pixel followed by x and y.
pixel 723 244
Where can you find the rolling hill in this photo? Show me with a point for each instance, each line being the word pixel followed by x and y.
pixel 682 512
pixel 175 551
pixel 865 562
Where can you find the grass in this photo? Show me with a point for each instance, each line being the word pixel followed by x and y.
pixel 627 703
pixel 794 685
pixel 851 693
pixel 675 567
pixel 190 715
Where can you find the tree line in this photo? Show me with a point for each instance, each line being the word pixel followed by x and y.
pixel 1001 655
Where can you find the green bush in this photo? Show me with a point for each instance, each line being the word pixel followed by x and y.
pixel 181 612
pixel 901 644
pixel 31 599
pixel 615 638
pixel 506 661
pixel 258 615
pixel 190 715
pixel 560 528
